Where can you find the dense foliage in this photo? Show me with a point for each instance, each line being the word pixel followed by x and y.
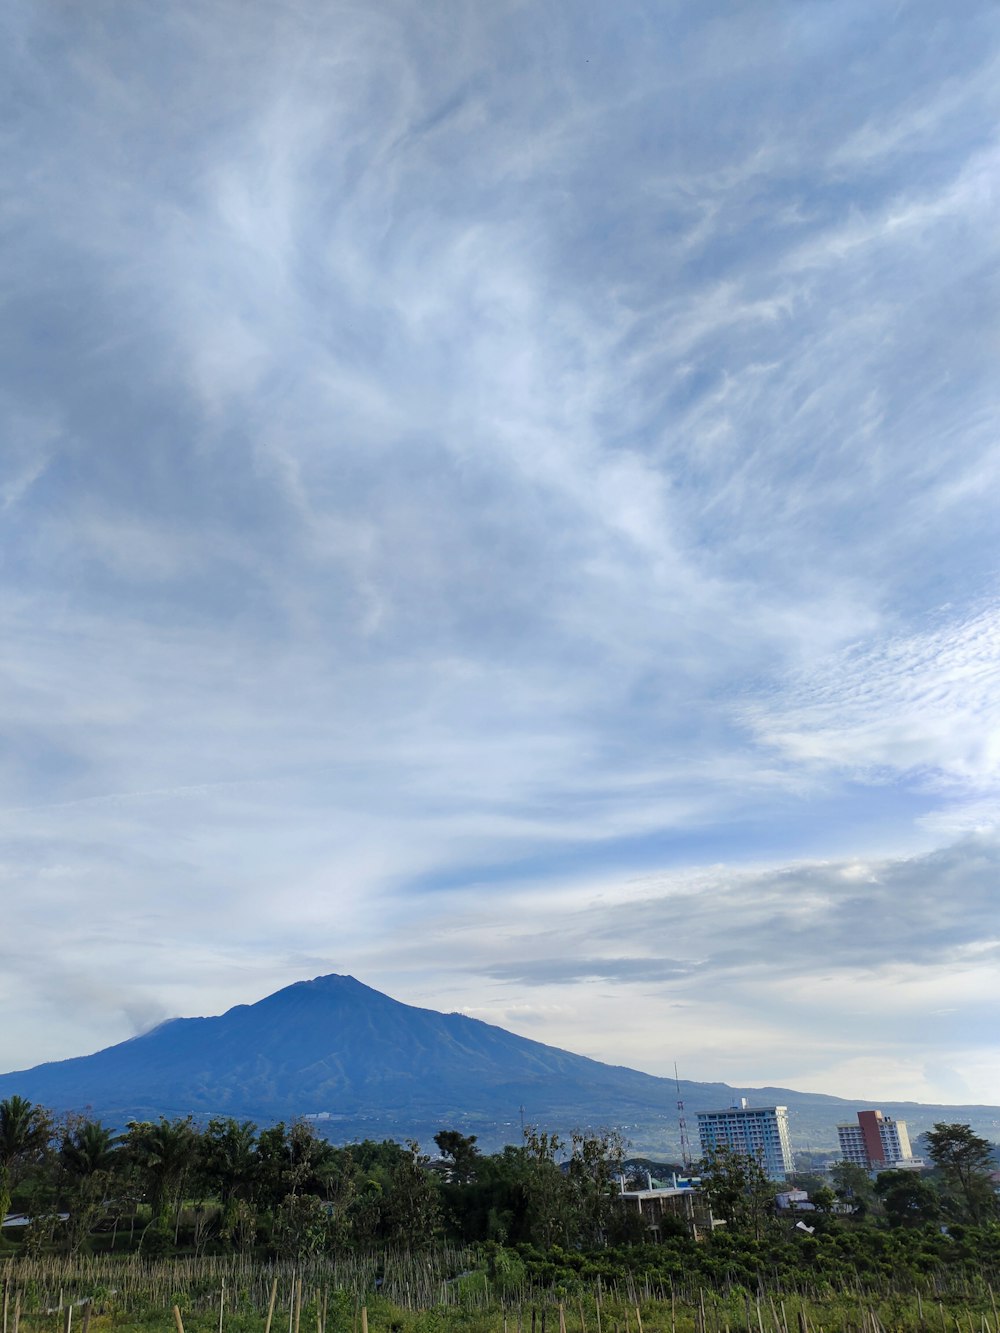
pixel 543 1212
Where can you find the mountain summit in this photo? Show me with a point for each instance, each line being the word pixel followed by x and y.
pixel 335 1047
pixel 364 1064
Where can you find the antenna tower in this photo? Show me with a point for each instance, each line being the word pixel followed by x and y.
pixel 681 1122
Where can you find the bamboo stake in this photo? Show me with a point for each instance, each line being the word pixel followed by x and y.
pixel 178 1321
pixel 364 1319
pixel 68 1317
pixel 270 1307
pixel 222 1302
pixel 774 1312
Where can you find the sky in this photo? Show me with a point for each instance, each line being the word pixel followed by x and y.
pixel 502 501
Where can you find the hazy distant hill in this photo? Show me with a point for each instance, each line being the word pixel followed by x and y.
pixel 369 1065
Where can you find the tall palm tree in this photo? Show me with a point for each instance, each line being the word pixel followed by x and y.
pixel 86 1156
pixel 228 1160
pixel 25 1131
pixel 164 1153
pixel 86 1148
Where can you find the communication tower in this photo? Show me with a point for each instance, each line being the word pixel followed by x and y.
pixel 681 1122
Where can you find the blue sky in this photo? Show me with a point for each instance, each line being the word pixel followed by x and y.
pixel 503 501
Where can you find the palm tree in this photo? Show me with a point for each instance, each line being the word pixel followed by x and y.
pixel 86 1148
pixel 25 1131
pixel 163 1153
pixel 86 1156
pixel 228 1160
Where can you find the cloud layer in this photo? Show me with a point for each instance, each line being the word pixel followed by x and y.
pixel 460 460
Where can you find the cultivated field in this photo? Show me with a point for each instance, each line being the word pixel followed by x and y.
pixel 443 1291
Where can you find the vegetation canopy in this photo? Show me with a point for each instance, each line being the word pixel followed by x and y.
pixel 172 1213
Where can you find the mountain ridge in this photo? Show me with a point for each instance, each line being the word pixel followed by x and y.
pixel 364 1064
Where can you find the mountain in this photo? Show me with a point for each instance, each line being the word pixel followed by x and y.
pixel 365 1065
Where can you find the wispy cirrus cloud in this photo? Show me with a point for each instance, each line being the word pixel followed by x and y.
pixel 450 452
pixel 925 705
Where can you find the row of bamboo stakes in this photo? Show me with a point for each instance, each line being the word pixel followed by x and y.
pixel 778 1321
pixel 294 1311
pixel 869 1323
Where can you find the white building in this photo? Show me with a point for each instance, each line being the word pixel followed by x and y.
pixel 876 1142
pixel 760 1132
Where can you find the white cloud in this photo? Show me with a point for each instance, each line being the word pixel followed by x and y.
pixel 856 978
pixel 926 704
pixel 487 462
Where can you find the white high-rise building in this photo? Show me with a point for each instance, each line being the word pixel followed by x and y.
pixel 876 1142
pixel 760 1132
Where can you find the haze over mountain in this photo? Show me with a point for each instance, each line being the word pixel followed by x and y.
pixel 367 1065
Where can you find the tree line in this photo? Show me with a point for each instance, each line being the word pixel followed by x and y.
pixel 173 1186
pixel 163 1185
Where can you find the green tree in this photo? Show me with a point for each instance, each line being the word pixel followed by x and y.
pixel 411 1210
pixel 227 1159
pixel 164 1155
pixel 86 1161
pixel 854 1186
pixel 25 1133
pixel 299 1226
pixel 494 1206
pixel 342 1184
pixel 965 1161
pixel 460 1153
pixel 87 1147
pixel 824 1198
pixel 594 1168
pixel 292 1160
pixel 226 1170
pixel 738 1190
pixel 908 1200
pixel 545 1189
